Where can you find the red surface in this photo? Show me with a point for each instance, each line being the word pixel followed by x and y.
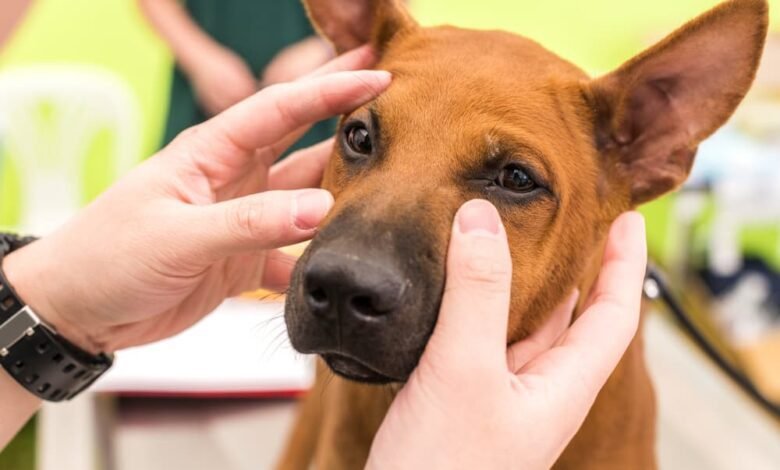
pixel 275 394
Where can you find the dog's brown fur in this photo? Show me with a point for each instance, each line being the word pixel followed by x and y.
pixel 606 145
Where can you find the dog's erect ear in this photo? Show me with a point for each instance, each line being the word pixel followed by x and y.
pixel 654 110
pixel 352 23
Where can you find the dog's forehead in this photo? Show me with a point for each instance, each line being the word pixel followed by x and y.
pixel 464 53
pixel 457 91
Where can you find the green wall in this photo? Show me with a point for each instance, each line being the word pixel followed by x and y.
pixel 595 34
pixel 107 33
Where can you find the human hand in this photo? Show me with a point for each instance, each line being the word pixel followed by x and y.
pixel 471 403
pixel 296 60
pixel 197 222
pixel 220 79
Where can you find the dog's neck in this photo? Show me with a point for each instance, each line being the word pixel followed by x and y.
pixel 589 277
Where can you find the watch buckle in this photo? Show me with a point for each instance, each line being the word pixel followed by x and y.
pixel 21 324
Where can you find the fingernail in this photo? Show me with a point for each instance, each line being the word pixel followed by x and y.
pixel 629 221
pixel 478 216
pixel 310 207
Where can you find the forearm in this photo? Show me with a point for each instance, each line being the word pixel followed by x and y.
pixel 16 407
pixel 23 269
pixel 187 40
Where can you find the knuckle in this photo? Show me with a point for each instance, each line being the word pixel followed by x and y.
pixel 190 135
pixel 283 107
pixel 245 220
pixel 485 272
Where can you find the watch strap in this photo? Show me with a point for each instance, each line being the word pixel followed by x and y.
pixel 43 362
pixel 50 367
pixel 10 303
pixel 11 242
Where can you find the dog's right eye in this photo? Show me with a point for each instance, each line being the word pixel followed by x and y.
pixel 359 139
pixel 515 179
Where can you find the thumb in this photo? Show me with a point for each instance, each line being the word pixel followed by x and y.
pixel 260 221
pixel 472 325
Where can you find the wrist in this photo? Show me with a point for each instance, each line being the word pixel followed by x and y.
pixel 24 272
pixel 202 59
pixel 16 407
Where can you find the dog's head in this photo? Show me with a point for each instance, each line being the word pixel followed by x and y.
pixel 475 114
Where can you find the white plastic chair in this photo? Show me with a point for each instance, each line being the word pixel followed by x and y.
pixel 50 153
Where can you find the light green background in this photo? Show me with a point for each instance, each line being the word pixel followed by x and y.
pixel 596 34
pixel 107 33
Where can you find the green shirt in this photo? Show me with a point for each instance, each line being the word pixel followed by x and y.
pixel 256 30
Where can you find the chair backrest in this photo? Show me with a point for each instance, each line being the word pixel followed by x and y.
pixel 50 115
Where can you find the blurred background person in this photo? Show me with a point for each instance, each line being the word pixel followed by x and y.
pixel 11 13
pixel 225 50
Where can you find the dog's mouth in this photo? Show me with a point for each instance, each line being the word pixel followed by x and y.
pixel 353 369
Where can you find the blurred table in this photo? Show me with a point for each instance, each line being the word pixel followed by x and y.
pixel 704 422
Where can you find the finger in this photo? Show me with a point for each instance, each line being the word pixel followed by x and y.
pixel 278 270
pixel 472 324
pixel 612 310
pixel 302 169
pixel 362 57
pixel 545 337
pixel 359 58
pixel 268 116
pixel 593 346
pixel 267 155
pixel 259 221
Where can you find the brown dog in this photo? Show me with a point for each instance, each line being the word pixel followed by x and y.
pixel 493 115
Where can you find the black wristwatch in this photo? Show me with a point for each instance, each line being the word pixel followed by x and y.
pixel 43 362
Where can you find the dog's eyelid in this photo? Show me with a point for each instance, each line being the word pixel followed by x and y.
pixel 504 149
pixel 375 122
pixel 373 112
pixel 522 160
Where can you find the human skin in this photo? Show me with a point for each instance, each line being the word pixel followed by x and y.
pixel 196 223
pixel 471 403
pixel 199 222
pixel 220 77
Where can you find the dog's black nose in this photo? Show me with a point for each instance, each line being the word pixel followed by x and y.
pixel 347 285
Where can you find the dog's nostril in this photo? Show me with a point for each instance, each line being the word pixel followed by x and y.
pixel 365 305
pixel 318 299
pixel 318 295
pixel 340 286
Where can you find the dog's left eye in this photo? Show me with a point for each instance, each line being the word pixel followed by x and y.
pixel 515 179
pixel 359 139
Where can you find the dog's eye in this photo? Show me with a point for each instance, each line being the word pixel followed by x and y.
pixel 515 179
pixel 359 139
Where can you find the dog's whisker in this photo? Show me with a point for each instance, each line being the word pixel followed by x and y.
pixel 271 321
pixel 272 346
pixel 328 379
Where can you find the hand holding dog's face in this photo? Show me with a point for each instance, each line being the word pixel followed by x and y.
pixel 195 223
pixel 517 408
pixel 496 116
